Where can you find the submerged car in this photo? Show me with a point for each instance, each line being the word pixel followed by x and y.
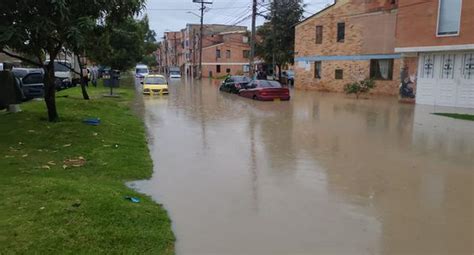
pixel 265 90
pixel 155 84
pixel 233 84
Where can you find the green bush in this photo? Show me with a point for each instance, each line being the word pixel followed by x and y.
pixel 359 87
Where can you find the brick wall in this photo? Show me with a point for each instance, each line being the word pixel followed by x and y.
pixel 369 29
pixel 352 71
pixel 417 24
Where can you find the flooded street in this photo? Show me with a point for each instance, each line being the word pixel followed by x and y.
pixel 321 174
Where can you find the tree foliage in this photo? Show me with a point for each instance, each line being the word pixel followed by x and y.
pixel 122 45
pixel 277 34
pixel 41 28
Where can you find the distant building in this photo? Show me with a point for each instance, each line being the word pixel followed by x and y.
pixel 436 40
pixel 215 37
pixel 348 41
pixel 225 53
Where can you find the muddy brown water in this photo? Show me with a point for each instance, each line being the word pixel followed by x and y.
pixel 321 174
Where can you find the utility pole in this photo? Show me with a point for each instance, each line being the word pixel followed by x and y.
pixel 166 56
pixel 252 39
pixel 193 67
pixel 273 8
pixel 202 2
pixel 175 50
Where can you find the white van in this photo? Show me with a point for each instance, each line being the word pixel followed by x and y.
pixel 175 73
pixel 141 71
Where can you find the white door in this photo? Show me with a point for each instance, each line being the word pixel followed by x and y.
pixel 446 79
pixel 447 73
pixel 466 86
pixel 426 84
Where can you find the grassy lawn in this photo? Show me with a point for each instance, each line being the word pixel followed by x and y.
pixel 456 116
pixel 62 184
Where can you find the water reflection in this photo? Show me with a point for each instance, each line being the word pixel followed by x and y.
pixel 319 174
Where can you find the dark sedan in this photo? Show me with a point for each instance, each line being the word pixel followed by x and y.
pixel 265 90
pixel 233 84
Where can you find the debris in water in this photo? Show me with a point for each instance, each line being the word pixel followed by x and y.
pixel 92 121
pixel 133 199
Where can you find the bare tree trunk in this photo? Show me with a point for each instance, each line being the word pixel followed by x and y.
pixel 50 92
pixel 279 72
pixel 83 80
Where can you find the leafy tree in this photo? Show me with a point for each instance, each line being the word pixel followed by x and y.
pixel 120 46
pixel 359 87
pixel 42 28
pixel 277 34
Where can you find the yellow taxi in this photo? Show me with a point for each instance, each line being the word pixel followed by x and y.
pixel 155 84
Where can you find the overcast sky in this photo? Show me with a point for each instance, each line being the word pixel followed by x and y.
pixel 169 15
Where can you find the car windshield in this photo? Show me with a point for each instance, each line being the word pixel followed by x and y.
pixel 62 66
pixel 174 72
pixel 20 73
pixel 268 84
pixel 142 70
pixel 155 80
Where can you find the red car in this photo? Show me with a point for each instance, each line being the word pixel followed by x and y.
pixel 265 90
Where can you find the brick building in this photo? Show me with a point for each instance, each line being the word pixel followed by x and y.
pixel 436 40
pixel 225 52
pixel 171 49
pixel 348 41
pixel 228 36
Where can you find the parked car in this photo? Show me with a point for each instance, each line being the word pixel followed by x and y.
pixel 154 84
pixel 233 84
pixel 265 90
pixel 288 77
pixel 32 85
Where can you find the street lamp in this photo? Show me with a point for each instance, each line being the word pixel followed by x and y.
pixel 190 12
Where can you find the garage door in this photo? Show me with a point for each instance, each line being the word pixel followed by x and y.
pixel 446 79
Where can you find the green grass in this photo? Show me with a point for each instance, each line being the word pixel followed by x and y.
pixel 456 116
pixel 78 209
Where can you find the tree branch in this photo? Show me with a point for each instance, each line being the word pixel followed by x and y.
pixel 21 58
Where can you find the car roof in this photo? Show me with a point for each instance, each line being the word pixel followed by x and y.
pixel 141 66
pixel 155 75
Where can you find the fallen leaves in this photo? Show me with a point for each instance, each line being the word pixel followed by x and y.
pixel 74 162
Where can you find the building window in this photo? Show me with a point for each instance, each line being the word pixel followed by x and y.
pixel 227 53
pixel 218 53
pixel 381 69
pixel 449 17
pixel 218 68
pixel 341 30
pixel 227 70
pixel 319 34
pixel 317 69
pixel 246 53
pixel 339 74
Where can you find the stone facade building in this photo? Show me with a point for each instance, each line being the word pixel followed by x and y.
pixel 348 41
pixel 436 40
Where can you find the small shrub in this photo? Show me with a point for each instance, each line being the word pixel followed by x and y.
pixel 359 87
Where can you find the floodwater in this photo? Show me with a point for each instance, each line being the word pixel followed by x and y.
pixel 321 174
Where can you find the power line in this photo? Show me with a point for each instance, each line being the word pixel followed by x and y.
pixel 193 9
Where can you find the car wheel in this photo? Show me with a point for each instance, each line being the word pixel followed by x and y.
pixel 254 97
